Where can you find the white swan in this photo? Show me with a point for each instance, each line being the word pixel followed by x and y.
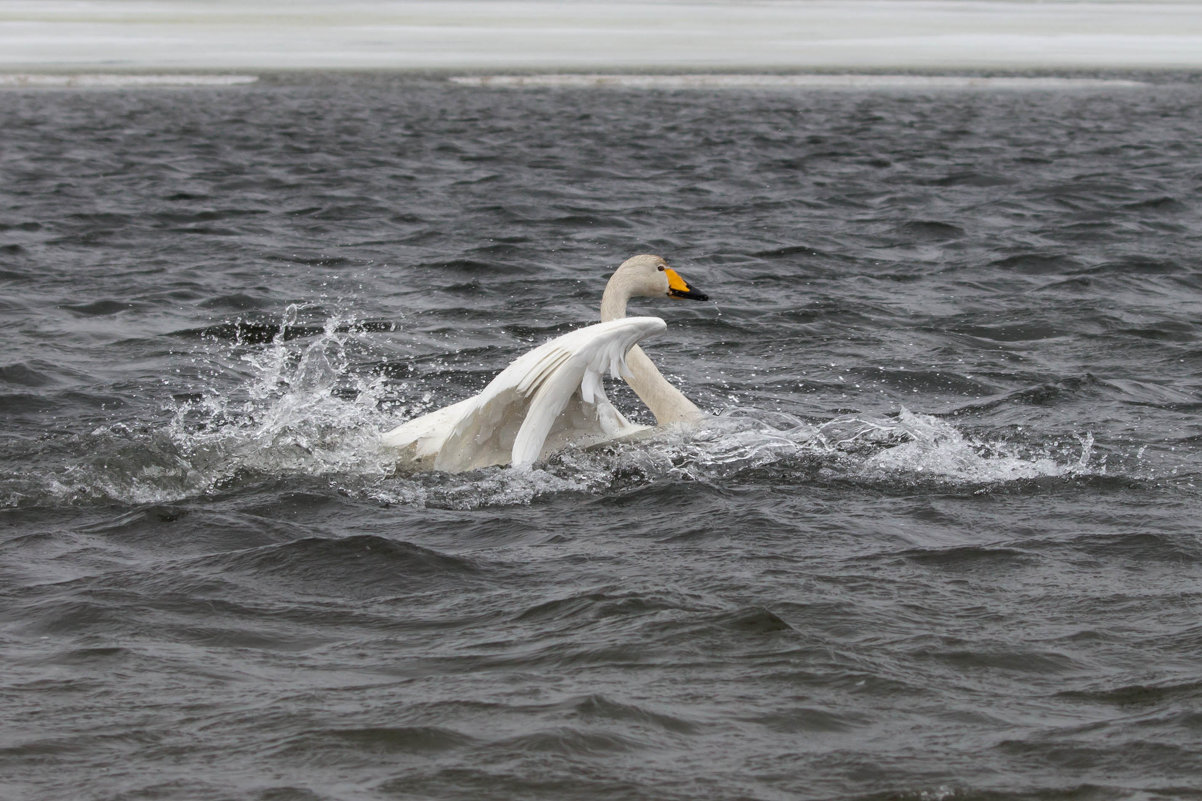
pixel 552 397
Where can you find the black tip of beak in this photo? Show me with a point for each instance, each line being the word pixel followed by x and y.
pixel 690 294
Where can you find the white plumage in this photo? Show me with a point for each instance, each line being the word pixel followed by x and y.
pixel 553 397
pixel 545 400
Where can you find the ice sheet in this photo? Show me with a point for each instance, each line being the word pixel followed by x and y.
pixel 532 34
pixel 851 81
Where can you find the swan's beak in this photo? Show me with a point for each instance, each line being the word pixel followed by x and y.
pixel 677 287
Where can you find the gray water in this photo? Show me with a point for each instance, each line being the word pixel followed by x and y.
pixel 939 539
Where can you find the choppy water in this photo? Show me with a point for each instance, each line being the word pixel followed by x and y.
pixel 939 541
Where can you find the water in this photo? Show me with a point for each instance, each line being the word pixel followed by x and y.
pixel 939 540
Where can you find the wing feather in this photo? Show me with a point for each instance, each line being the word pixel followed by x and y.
pixel 510 420
pixel 594 350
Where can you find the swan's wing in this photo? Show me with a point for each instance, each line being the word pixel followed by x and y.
pixel 421 438
pixel 595 350
pixel 510 420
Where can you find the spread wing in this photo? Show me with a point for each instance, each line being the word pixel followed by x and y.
pixel 546 399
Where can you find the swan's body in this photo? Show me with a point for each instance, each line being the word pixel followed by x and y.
pixel 552 396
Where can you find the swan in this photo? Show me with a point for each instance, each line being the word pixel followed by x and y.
pixel 552 396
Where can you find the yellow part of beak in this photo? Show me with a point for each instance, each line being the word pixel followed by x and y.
pixel 675 281
pixel 678 288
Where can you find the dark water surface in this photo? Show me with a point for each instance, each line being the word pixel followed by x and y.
pixel 940 541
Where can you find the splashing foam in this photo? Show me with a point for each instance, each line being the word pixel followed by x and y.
pixel 911 449
pixel 304 407
pixel 749 445
pixel 936 448
pixel 302 411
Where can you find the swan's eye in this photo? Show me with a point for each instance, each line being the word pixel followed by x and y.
pixel 661 268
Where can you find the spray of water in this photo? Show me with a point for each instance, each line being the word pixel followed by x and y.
pixel 301 409
pixel 312 406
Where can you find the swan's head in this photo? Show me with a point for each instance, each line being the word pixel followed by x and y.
pixel 651 277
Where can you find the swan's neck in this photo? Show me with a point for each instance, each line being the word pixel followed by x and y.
pixel 666 402
pixel 613 302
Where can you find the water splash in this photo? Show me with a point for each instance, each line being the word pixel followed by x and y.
pixel 908 448
pixel 303 408
pixel 742 446
pixel 312 406
pixel 935 448
pixel 295 406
